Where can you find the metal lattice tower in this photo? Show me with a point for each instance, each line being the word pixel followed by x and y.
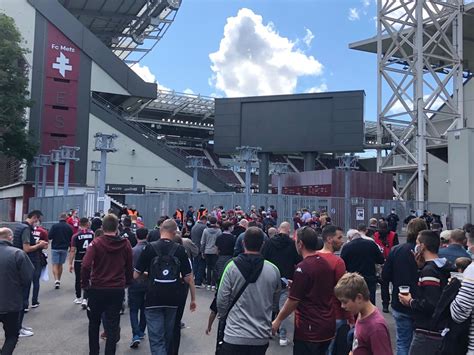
pixel 420 70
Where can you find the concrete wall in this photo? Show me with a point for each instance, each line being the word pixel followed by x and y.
pixel 461 166
pixel 141 168
pixel 103 82
pixel 437 175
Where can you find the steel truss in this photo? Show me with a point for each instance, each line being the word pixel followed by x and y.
pixel 420 70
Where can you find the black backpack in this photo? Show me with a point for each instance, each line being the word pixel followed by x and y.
pixel 164 268
pixel 455 335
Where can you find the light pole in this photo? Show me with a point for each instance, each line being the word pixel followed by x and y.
pixel 248 155
pixel 96 169
pixel 37 166
pixel 45 161
pixel 68 154
pixel 104 143
pixel 56 159
pixel 347 163
pixel 195 163
pixel 279 169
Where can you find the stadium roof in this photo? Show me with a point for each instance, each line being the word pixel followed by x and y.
pixel 131 28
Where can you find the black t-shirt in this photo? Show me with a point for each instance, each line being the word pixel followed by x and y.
pixel 163 299
pixel 361 255
pixel 225 244
pixel 130 235
pixel 81 242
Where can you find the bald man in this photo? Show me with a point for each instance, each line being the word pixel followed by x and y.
pixel 281 251
pixel 16 274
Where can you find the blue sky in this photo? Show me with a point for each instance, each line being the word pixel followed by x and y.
pixel 181 61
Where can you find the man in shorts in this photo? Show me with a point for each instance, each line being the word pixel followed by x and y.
pixel 60 234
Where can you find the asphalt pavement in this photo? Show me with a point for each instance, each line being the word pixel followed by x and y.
pixel 60 326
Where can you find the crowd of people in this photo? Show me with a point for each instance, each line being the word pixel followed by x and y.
pixel 259 272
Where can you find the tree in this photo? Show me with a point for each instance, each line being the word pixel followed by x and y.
pixel 15 140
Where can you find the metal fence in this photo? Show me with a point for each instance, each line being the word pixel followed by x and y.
pixel 53 206
pixel 152 206
pixel 361 209
pixel 5 209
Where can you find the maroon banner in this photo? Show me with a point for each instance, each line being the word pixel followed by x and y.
pixel 59 119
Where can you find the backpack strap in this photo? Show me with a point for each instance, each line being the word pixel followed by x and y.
pixel 157 250
pixel 173 249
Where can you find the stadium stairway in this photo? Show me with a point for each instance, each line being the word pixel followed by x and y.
pixel 145 136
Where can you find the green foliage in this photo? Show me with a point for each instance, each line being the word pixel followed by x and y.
pixel 15 141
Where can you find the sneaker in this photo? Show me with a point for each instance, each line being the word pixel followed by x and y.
pixel 208 287
pixel 199 286
pixel 57 284
pixel 135 342
pixel 283 342
pixel 25 333
pixel 27 328
pixel 77 301
pixel 142 336
pixel 385 309
pixel 35 305
pixel 26 310
pixel 84 303
pixel 213 288
pixel 103 335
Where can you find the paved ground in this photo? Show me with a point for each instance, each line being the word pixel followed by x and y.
pixel 61 327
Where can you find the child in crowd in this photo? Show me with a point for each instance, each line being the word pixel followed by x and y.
pixel 371 334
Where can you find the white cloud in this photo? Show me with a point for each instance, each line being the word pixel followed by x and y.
pixel 353 14
pixel 253 59
pixel 145 73
pixel 366 3
pixel 189 91
pixel 320 88
pixel 308 38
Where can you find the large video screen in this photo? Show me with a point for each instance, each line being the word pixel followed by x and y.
pixel 325 122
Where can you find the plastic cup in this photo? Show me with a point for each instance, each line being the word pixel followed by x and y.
pixel 404 290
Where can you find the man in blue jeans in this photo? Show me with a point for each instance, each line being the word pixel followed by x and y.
pixel 136 294
pixel 167 266
pixel 401 270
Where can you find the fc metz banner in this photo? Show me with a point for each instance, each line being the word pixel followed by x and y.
pixel 59 117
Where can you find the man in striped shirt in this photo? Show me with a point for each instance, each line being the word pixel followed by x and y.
pixel 433 277
pixel 463 305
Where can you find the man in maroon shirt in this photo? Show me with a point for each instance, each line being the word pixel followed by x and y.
pixel 333 240
pixel 107 269
pixel 311 297
pixel 371 336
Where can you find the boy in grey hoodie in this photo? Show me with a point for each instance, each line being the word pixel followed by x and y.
pixel 248 326
pixel 209 251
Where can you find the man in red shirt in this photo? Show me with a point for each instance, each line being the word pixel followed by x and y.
pixel 333 240
pixel 310 297
pixel 73 221
pixel 371 336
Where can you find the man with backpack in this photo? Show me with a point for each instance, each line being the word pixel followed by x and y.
pixel 166 263
pixel 248 292
pixel 433 277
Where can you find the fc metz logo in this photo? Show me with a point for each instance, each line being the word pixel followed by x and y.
pixel 62 64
